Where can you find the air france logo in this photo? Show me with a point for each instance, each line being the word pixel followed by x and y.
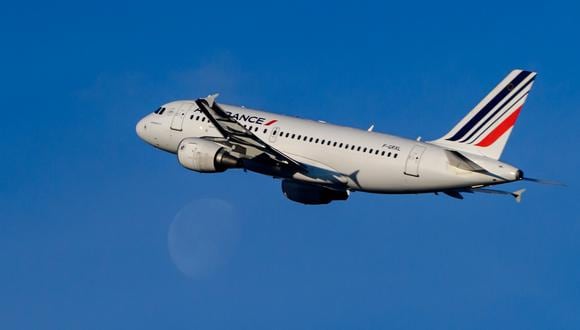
pixel 251 119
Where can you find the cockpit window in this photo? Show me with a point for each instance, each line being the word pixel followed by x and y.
pixel 157 111
pixel 161 111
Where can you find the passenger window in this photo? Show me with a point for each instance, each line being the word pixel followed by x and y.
pixel 265 130
pixel 191 117
pixel 365 150
pixel 340 145
pixel 197 118
pixel 395 156
pixel 382 153
pixel 316 141
pixel 293 135
pixel 377 152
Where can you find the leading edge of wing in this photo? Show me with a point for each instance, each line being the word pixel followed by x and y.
pixel 235 132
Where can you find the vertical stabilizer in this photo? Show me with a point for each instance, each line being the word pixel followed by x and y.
pixel 487 127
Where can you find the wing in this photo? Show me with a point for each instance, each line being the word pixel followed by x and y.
pixel 236 133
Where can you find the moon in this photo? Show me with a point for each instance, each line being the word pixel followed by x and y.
pixel 202 237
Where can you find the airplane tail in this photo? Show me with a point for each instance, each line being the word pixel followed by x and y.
pixel 486 128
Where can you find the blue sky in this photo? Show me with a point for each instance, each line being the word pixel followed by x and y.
pixel 95 225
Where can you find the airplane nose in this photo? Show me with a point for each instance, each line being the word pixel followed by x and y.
pixel 140 128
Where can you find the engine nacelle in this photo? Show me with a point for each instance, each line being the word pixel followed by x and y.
pixel 204 156
pixel 306 193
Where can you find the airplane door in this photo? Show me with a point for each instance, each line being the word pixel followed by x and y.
pixel 274 134
pixel 177 121
pixel 413 161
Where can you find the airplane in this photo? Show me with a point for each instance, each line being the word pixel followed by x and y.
pixel 318 162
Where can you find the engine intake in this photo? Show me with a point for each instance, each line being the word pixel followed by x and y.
pixel 311 194
pixel 204 156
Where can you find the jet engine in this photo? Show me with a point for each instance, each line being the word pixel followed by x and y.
pixel 204 156
pixel 306 193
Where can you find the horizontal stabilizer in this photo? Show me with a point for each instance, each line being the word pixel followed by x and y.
pixel 516 194
pixel 457 192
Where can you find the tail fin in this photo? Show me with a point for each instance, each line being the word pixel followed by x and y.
pixel 486 129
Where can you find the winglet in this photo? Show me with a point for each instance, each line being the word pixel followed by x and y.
pixel 518 195
pixel 211 99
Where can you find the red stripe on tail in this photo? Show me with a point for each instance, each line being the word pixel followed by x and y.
pixel 500 129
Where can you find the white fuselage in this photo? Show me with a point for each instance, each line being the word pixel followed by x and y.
pixel 335 155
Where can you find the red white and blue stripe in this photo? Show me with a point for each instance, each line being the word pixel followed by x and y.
pixel 496 114
pixel 487 127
